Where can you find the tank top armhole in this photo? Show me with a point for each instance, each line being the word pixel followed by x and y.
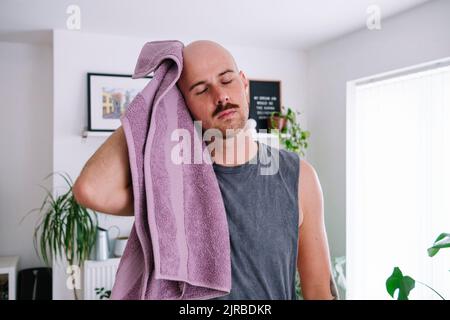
pixel 300 211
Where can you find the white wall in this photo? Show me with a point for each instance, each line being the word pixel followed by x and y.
pixel 25 142
pixel 76 53
pixel 414 37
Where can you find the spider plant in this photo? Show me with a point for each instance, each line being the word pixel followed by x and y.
pixel 65 228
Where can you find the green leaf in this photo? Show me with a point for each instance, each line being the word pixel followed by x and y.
pixel 442 241
pixel 294 139
pixel 397 281
pixel 64 226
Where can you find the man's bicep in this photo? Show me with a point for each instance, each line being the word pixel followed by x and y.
pixel 104 183
pixel 313 253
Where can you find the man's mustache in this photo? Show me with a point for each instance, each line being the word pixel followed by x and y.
pixel 221 108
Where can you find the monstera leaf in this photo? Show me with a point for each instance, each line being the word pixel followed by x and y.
pixel 443 241
pixel 397 281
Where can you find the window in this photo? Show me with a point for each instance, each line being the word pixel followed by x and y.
pixel 398 182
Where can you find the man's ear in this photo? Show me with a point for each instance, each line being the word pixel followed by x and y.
pixel 246 85
pixel 244 79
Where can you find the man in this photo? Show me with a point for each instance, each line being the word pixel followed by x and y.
pixel 276 221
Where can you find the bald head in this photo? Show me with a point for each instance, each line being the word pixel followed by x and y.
pixel 202 50
pixel 210 83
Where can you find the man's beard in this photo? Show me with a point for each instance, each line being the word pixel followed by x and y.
pixel 232 132
pixel 229 132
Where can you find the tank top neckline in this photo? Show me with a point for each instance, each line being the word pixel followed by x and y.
pixel 244 166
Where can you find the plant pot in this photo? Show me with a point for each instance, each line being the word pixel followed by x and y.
pixel 279 122
pixel 120 245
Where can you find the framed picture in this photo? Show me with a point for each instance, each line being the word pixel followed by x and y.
pixel 265 98
pixel 108 98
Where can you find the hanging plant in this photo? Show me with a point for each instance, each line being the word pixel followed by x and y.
pixel 288 130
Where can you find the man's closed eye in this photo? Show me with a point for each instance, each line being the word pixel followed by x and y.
pixel 225 82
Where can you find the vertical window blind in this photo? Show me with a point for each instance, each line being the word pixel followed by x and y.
pixel 400 184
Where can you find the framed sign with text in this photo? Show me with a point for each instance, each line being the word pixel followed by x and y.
pixel 265 98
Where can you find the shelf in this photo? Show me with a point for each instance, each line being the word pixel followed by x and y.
pixel 87 133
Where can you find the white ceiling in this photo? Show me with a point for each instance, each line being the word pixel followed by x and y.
pixel 262 23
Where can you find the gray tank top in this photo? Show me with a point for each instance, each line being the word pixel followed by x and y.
pixel 262 213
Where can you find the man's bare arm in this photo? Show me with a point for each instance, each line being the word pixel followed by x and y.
pixel 313 263
pixel 104 184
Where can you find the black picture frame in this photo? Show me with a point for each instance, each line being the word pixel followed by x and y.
pixel 265 98
pixel 97 122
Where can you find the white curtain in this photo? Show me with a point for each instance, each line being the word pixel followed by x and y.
pixel 400 184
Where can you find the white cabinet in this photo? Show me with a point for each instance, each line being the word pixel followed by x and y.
pixel 8 276
pixel 99 274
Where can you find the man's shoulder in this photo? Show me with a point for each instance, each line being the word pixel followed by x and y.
pixel 307 170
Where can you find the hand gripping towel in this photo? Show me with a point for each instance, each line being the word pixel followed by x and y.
pixel 179 246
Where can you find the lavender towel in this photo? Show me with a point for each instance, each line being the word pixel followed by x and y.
pixel 179 244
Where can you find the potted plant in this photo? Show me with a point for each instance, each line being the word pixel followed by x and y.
pixel 404 284
pixel 290 134
pixel 277 120
pixel 65 229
